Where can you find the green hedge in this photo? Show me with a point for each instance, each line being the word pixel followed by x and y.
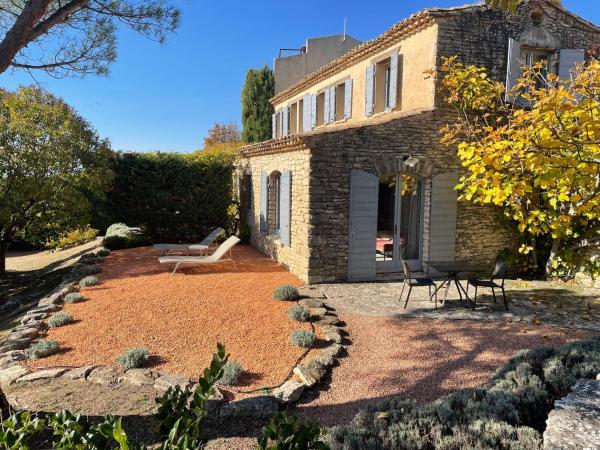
pixel 171 196
pixel 509 413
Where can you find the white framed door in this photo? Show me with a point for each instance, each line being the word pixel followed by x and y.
pixel 399 223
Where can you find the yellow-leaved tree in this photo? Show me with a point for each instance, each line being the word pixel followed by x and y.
pixel 536 156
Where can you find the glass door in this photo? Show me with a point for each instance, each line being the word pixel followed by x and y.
pixel 399 227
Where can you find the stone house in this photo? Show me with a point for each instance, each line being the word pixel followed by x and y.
pixel 355 178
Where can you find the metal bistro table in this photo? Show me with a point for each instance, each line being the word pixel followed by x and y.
pixel 453 268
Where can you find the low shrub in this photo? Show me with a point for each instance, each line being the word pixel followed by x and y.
pixel 286 292
pixel 74 297
pixel 302 338
pixel 41 349
pixel 120 236
pixel 59 319
pixel 88 269
pixel 134 358
pixel 103 252
pixel 298 313
pixel 89 281
pixel 73 237
pixel 231 373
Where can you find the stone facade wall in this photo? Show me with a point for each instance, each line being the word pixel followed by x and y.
pixel 372 148
pixel 295 256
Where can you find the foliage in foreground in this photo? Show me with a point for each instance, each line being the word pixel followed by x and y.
pixel 88 281
pixel 286 432
pixel 510 412
pixel 134 358
pixel 51 159
pixel 298 313
pixel 41 349
pixel 540 164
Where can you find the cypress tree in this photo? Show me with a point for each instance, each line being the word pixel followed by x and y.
pixel 258 88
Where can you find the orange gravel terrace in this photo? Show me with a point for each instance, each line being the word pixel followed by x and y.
pixel 181 318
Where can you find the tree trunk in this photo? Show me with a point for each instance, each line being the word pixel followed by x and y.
pixel 20 33
pixel 3 249
pixel 553 253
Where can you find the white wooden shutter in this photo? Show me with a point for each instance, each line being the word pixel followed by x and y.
pixel 332 104
pixel 364 189
pixel 348 98
pixel 513 69
pixel 568 59
pixel 393 80
pixel 285 121
pixel 369 90
pixel 274 131
pixel 442 231
pixel 306 121
pixel 313 111
pixel 264 202
pixel 285 197
pixel 326 106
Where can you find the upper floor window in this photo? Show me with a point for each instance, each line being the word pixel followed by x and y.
pixel 530 57
pixel 321 108
pixel 383 85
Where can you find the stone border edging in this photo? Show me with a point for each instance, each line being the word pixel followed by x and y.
pixel 33 326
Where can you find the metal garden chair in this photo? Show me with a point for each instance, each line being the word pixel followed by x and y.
pixel 411 282
pixel 499 274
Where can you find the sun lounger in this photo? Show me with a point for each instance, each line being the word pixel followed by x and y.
pixel 201 247
pixel 221 254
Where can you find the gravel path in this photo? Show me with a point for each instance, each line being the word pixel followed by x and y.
pixel 25 261
pixel 420 358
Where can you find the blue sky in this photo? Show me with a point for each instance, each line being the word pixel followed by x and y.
pixel 167 97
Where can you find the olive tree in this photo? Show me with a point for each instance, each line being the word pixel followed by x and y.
pixel 51 160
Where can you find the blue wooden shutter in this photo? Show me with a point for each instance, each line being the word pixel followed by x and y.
pixel 513 68
pixel 332 104
pixel 306 121
pixel 274 131
pixel 369 90
pixel 264 202
pixel 313 111
pixel 285 203
pixel 364 189
pixel 285 114
pixel 568 59
pixel 326 106
pixel 348 98
pixel 442 232
pixel 393 80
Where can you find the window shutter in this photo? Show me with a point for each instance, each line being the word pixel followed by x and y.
pixel 513 70
pixel 442 231
pixel 393 80
pixel 306 107
pixel 332 104
pixel 326 105
pixel 568 59
pixel 285 185
pixel 348 98
pixel 369 89
pixel 364 188
pixel 274 131
pixel 313 111
pixel 264 201
pixel 284 122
